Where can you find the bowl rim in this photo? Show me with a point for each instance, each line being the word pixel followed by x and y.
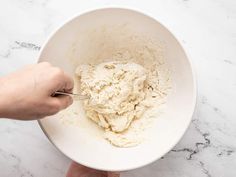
pixel 149 15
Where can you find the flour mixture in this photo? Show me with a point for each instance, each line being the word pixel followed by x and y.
pixel 120 93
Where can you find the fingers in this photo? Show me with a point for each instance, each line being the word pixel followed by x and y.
pixel 54 79
pixel 44 64
pixel 68 84
pixel 61 81
pixel 64 101
pixel 77 170
pixel 113 174
pixel 58 103
pixel 74 170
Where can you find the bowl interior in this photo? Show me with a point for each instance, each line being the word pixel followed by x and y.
pixel 84 40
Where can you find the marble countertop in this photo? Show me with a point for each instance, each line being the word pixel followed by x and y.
pixel 206 28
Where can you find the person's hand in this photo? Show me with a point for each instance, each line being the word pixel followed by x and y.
pixel 27 93
pixel 77 170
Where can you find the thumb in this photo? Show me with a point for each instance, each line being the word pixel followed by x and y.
pixel 113 174
pixel 63 101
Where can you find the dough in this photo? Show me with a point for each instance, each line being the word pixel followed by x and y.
pixel 115 90
pixel 120 95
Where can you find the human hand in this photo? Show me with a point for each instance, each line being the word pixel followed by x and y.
pixel 77 170
pixel 27 93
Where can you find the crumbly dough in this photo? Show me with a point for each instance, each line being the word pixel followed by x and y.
pixel 116 90
pixel 122 94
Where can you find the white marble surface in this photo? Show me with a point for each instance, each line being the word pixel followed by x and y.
pixel 206 28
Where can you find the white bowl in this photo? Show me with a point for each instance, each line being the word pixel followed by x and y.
pixel 83 143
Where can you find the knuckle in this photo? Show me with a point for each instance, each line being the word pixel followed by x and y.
pixel 54 108
pixel 58 71
pixel 42 112
pixel 69 101
pixel 39 115
pixel 45 64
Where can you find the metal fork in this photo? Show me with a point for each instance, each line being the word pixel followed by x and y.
pixel 76 96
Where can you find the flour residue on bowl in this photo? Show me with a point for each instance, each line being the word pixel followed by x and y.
pixel 127 80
